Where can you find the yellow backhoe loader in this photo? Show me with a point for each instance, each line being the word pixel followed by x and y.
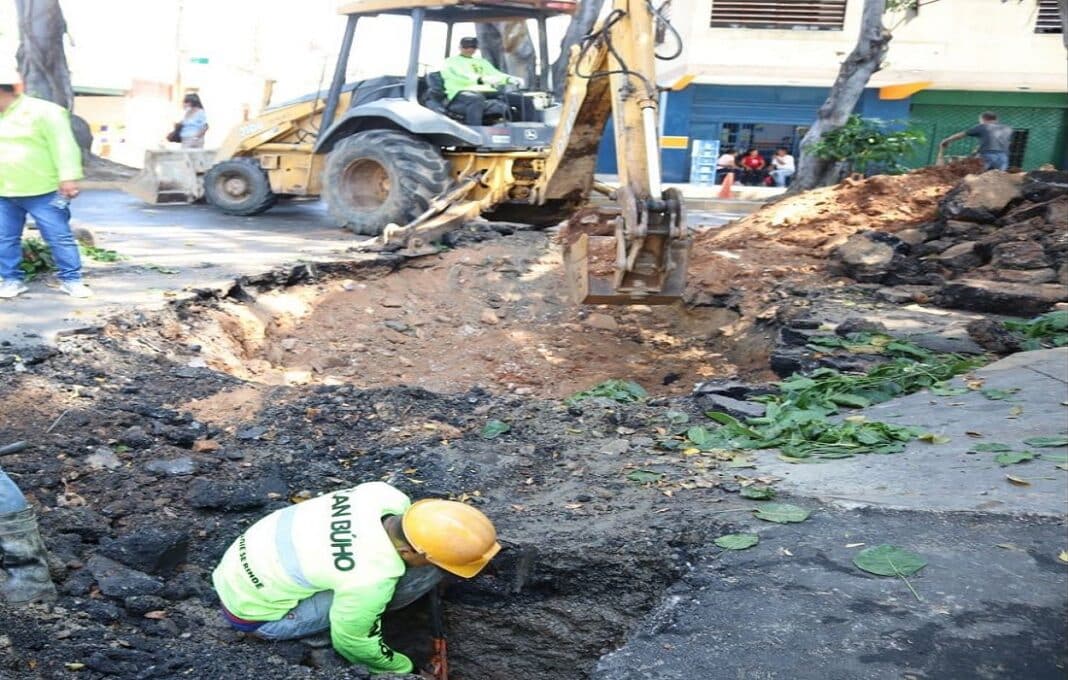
pixel 392 161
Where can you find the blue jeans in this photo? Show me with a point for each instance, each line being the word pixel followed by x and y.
pixel 780 176
pixel 54 225
pixel 312 615
pixel 995 160
pixel 11 499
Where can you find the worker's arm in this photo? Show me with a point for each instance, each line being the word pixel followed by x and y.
pixel 62 146
pixel 356 628
pixel 491 76
pixel 952 138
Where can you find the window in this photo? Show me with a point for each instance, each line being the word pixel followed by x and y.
pixel 1049 17
pixel 800 15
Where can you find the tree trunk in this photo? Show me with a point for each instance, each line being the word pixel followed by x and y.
pixel 508 46
pixel 581 24
pixel 41 59
pixel 853 77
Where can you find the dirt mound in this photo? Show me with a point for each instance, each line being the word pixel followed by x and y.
pixel 997 245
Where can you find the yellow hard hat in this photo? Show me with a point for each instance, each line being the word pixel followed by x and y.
pixel 451 535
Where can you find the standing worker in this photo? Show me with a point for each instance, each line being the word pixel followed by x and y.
pixel 341 560
pixel 24 575
pixel 468 82
pixel 194 123
pixel 40 165
pixel 994 141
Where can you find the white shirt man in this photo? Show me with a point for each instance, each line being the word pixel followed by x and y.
pixel 782 166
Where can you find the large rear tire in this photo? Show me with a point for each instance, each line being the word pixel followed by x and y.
pixel 239 186
pixel 377 177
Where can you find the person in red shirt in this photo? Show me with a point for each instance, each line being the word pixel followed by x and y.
pixel 753 165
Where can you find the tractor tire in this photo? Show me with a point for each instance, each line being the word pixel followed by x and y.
pixel 379 177
pixel 239 186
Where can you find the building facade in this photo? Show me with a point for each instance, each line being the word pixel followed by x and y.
pixel 752 74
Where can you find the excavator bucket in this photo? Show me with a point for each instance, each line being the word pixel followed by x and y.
pixel 172 176
pixel 608 261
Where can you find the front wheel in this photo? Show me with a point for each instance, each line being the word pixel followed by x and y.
pixel 239 186
pixel 379 177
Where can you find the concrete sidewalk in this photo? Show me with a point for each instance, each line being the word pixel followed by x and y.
pixel 168 251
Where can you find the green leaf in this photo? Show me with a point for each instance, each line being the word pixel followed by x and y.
pixel 932 438
pixel 737 541
pixel 1013 457
pixel 889 560
pixel 1054 457
pixel 699 437
pixel 677 417
pixel 623 391
pixel 908 349
pixel 849 400
pixel 998 395
pixel 494 429
pixel 991 447
pixel 1043 442
pixel 645 476
pixel 758 492
pixel 781 513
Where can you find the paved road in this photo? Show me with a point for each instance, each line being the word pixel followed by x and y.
pixel 991 603
pixel 175 248
pixel 169 248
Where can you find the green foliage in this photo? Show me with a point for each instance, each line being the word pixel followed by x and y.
pixel 889 560
pixel 737 541
pixel 796 421
pixel 1043 442
pixel 36 258
pixel 758 492
pixel 623 391
pixel 781 513
pixel 645 476
pixel 868 145
pixel 1047 330
pixel 495 428
pixel 1013 457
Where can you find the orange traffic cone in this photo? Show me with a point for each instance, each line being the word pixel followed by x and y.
pixel 725 188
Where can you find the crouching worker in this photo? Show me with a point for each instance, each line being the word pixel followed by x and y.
pixel 339 561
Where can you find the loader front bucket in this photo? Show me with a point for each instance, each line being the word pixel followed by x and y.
pixel 172 176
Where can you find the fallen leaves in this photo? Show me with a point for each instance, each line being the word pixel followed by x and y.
pixel 737 541
pixel 781 513
pixel 494 429
pixel 890 560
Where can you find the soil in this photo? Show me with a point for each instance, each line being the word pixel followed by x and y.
pixel 787 242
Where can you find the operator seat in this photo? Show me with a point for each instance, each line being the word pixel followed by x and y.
pixel 434 98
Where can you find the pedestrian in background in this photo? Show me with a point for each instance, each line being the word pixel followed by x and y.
pixel 994 141
pixel 194 124
pixel 782 166
pixel 40 165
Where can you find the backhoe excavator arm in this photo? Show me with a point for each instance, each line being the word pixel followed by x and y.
pixel 636 251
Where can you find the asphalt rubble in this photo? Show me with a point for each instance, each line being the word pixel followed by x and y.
pixel 609 569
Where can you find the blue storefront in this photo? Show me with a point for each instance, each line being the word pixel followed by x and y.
pixel 741 117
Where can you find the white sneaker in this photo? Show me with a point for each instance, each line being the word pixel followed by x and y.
pixel 9 289
pixel 76 289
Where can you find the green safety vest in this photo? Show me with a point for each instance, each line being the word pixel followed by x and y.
pixel 463 73
pixel 334 542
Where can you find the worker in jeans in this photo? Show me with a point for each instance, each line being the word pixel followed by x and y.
pixel 40 165
pixel 994 141
pixel 339 561
pixel 24 575
pixel 472 84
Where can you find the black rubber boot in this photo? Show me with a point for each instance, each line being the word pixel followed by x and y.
pixel 24 576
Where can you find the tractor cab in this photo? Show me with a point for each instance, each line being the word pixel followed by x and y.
pixel 416 102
